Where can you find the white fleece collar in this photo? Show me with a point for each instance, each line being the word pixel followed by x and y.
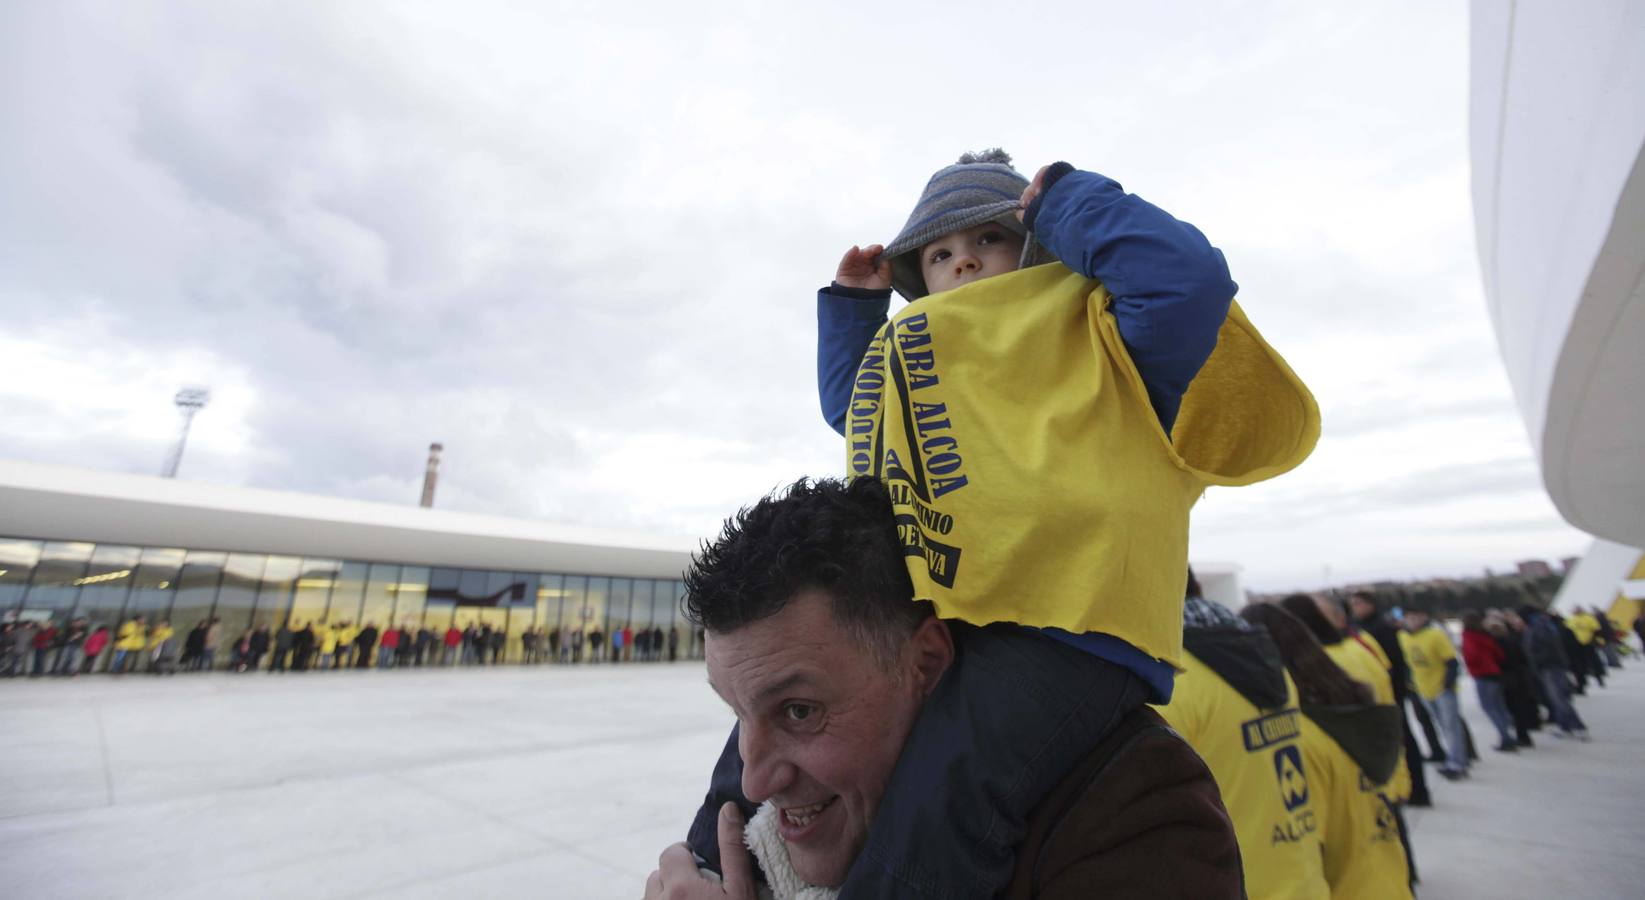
pixel 763 839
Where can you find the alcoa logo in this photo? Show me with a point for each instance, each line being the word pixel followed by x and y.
pixel 1293 785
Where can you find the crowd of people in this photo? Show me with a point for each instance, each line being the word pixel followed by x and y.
pixel 1315 692
pixel 1023 451
pixel 138 645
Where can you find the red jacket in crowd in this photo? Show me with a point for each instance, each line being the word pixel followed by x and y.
pixel 453 636
pixel 1482 654
pixel 391 639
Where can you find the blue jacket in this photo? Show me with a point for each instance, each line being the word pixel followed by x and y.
pixel 1171 292
pixel 1543 643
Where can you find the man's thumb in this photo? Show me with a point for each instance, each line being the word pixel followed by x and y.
pixel 734 859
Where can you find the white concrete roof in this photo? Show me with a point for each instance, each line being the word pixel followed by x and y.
pixel 1558 135
pixel 1598 576
pixel 61 503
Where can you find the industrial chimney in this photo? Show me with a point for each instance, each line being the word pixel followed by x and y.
pixel 431 475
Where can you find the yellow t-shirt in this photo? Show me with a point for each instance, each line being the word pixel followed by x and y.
pixel 1367 664
pixel 1426 652
pixel 1254 756
pixel 1030 477
pixel 1584 626
pixel 130 638
pixel 159 635
pixel 1363 856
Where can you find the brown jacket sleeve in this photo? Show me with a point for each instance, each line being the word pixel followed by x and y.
pixel 1141 817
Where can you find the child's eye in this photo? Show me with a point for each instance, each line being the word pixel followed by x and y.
pixel 990 237
pixel 939 256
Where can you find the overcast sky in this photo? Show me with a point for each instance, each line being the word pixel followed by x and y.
pixel 581 247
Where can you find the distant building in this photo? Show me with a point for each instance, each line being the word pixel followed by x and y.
pixel 108 546
pixel 1534 568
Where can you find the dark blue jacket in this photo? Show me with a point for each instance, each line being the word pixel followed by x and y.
pixel 1544 644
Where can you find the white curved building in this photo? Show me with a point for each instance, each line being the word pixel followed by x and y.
pixel 1558 129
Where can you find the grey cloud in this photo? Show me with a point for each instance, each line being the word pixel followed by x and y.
pixel 483 227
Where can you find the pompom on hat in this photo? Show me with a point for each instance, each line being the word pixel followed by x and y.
pixel 981 187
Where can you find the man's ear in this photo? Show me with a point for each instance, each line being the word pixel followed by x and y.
pixel 930 653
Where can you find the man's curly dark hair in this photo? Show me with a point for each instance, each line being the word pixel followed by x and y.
pixel 835 536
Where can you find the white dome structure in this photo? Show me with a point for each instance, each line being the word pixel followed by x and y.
pixel 1558 129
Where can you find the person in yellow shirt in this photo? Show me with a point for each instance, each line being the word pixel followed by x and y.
pixel 1583 625
pixel 1237 708
pixel 328 635
pixel 1370 622
pixel 1362 659
pixel 1434 673
pixel 1590 635
pixel 346 633
pixel 128 643
pixel 1365 662
pixel 1349 745
pixel 162 648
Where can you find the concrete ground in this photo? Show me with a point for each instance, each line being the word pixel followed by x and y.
pixel 568 782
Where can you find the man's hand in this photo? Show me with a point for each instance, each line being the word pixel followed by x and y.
pixel 865 267
pixel 1032 191
pixel 677 877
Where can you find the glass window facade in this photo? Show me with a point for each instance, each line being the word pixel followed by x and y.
pixel 108 584
pixel 17 562
pixel 106 587
pixel 155 583
pixel 348 593
pixel 312 594
pixel 56 581
pixel 237 596
pixel 196 593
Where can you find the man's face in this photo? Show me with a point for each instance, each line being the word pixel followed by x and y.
pixel 1416 621
pixel 966 256
pixel 822 724
pixel 1363 609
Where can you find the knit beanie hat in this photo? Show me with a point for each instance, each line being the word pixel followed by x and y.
pixel 981 187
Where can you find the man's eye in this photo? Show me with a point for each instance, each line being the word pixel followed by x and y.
pixel 798 712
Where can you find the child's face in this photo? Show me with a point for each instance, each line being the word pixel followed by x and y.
pixel 965 256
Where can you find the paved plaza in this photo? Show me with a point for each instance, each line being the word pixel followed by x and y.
pixel 567 782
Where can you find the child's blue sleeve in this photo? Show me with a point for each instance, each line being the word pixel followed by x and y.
pixel 1171 288
pixel 847 320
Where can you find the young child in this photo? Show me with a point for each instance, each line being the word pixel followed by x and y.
pixel 1021 410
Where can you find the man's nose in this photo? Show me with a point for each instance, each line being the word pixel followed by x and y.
pixel 765 772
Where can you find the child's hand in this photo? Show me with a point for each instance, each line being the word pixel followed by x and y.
pixel 865 267
pixel 1032 191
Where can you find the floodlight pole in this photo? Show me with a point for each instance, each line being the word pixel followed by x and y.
pixel 189 401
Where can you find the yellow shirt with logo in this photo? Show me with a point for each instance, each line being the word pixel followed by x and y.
pixel 1427 651
pixel 1031 479
pixel 1363 856
pixel 1255 757
pixel 1366 663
